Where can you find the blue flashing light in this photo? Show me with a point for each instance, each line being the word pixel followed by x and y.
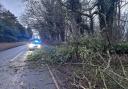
pixel 37 41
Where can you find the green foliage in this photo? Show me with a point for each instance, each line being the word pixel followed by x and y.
pixel 67 52
pixel 120 48
pixel 35 56
pixel 93 43
pixel 71 53
pixel 59 54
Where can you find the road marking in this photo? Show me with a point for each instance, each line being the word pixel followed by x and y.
pixel 54 80
pixel 16 56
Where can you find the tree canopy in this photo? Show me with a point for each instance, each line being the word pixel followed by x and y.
pixel 59 18
pixel 10 28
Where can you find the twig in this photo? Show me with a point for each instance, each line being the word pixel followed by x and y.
pixel 79 86
pixel 89 83
pixel 103 78
pixel 117 75
pixel 116 82
pixel 123 69
pixel 109 57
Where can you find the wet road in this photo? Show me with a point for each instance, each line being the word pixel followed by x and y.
pixel 17 73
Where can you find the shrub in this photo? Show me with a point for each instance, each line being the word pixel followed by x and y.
pixel 121 48
pixel 35 56
pixel 59 54
pixel 95 44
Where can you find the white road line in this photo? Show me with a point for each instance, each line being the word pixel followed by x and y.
pixel 16 56
pixel 54 80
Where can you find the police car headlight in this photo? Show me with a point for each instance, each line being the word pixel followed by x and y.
pixel 30 45
pixel 39 46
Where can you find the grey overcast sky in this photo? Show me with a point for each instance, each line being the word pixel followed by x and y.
pixel 15 6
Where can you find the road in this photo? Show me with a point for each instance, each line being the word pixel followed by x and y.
pixel 17 73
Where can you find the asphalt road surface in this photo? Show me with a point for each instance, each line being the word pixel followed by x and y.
pixel 17 73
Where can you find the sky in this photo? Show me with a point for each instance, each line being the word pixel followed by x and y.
pixel 15 6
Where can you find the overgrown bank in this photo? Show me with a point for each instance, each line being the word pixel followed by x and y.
pixel 88 66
